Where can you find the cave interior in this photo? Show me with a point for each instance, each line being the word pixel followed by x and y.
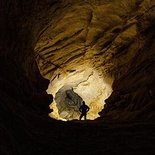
pixel 54 54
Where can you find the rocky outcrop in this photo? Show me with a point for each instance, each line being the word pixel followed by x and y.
pixel 68 103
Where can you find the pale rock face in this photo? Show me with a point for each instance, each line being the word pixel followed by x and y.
pixel 88 84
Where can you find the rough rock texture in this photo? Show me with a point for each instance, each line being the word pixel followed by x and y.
pixel 118 35
pixel 68 103
pixel 87 83
pixel 115 38
pixel 102 34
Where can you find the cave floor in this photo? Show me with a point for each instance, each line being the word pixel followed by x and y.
pixel 92 137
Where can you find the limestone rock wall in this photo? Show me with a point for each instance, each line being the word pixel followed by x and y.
pixel 135 87
pixel 97 32
pixel 114 37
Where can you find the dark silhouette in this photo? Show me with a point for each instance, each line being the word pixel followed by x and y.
pixel 83 109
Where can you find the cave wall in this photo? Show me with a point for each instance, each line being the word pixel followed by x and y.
pixel 134 92
pixel 121 48
pixel 21 22
pixel 23 101
pixel 116 39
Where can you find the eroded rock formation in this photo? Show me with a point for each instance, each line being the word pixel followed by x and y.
pixel 116 38
pixel 68 103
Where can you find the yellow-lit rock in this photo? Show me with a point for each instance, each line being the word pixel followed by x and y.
pixel 104 36
pixel 88 84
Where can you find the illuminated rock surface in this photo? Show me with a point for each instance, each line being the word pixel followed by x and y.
pixel 114 40
pixel 106 36
pixel 88 84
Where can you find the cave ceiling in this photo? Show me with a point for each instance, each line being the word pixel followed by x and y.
pixel 89 34
pixel 99 51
